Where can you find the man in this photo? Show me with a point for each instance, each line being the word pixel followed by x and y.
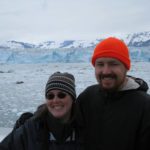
pixel 116 111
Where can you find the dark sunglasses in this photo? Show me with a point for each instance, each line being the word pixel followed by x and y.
pixel 60 95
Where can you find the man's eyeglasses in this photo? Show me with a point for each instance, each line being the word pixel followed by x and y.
pixel 60 95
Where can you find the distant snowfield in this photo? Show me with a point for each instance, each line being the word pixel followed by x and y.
pixel 22 85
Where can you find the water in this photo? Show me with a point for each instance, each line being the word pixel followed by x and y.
pixel 22 85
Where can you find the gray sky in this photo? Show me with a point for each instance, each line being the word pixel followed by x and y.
pixel 42 20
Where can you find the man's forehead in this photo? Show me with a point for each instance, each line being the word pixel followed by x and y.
pixel 107 59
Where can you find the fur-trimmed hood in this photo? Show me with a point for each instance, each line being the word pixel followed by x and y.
pixel 135 83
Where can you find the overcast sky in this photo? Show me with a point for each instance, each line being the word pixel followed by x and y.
pixel 42 20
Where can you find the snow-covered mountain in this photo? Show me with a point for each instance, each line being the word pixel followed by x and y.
pixel 69 51
pixel 141 39
pixel 138 39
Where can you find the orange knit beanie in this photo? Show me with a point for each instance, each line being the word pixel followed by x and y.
pixel 114 48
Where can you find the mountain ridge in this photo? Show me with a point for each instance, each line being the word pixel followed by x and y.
pixel 141 39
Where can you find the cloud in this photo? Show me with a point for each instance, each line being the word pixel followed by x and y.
pixel 36 20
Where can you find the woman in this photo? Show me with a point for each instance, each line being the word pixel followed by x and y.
pixel 53 126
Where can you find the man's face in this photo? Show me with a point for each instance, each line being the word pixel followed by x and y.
pixel 110 73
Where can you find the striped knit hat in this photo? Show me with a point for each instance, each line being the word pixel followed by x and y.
pixel 61 81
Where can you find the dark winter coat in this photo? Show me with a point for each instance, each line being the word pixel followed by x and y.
pixel 116 121
pixel 22 119
pixel 43 132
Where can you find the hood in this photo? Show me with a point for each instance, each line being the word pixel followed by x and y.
pixel 135 83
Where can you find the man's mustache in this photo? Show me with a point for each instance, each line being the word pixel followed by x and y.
pixel 102 76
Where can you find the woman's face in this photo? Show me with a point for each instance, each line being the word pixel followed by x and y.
pixel 59 104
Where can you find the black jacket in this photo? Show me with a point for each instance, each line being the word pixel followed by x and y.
pixel 43 132
pixel 116 121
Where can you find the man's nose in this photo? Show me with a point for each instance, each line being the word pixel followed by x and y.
pixel 106 69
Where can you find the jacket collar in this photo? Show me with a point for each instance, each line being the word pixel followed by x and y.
pixel 130 85
pixel 135 84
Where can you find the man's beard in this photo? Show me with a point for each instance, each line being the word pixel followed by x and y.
pixel 111 76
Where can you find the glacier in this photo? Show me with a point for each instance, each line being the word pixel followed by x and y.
pixel 69 51
pixel 64 55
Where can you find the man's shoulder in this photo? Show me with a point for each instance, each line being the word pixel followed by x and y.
pixel 92 87
pixel 140 94
pixel 139 97
pixel 90 90
pixel 144 96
